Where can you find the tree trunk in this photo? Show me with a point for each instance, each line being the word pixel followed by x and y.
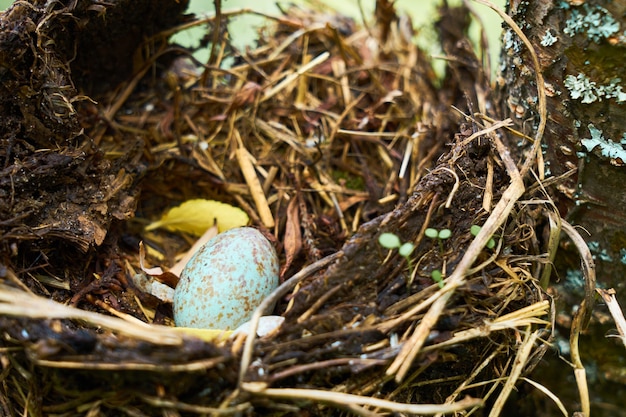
pixel 581 47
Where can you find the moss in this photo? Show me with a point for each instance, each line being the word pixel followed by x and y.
pixel 350 181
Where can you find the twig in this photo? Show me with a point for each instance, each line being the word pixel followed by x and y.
pixel 216 33
pixel 192 366
pixel 342 399
pixel 588 266
pixel 17 303
pixel 582 316
pixel 192 408
pixel 554 219
pixel 549 394
pixel 488 194
pixel 520 361
pixel 520 318
pixel 290 78
pixel 475 372
pixel 455 187
pixel 256 190
pixel 609 298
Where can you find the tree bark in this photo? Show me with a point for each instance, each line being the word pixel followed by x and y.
pixel 581 47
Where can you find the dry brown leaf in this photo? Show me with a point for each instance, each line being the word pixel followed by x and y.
pixel 293 235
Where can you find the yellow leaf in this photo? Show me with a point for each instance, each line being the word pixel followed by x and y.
pixel 196 216
pixel 208 335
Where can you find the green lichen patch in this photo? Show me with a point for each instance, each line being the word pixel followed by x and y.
pixel 607 147
pixel 599 253
pixel 588 91
pixel 581 87
pixel 548 39
pixel 596 21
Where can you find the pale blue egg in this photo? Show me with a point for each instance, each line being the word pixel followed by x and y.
pixel 226 280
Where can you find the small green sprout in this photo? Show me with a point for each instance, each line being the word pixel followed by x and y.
pixel 444 234
pixel 406 249
pixel 437 276
pixel 392 241
pixel 475 229
pixel 440 235
pixel 389 241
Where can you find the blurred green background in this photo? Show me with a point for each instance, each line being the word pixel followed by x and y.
pixel 422 12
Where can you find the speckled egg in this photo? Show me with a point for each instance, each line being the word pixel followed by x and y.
pixel 226 280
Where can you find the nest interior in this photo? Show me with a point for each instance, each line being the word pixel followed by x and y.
pixel 350 135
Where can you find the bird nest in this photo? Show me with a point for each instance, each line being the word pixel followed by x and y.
pixel 328 135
